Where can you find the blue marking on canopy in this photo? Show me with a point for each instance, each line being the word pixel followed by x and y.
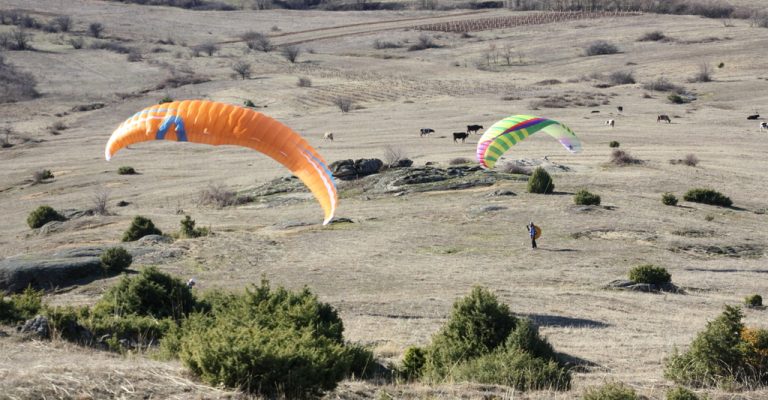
pixel 181 134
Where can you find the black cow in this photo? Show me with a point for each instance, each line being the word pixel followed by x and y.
pixel 474 128
pixel 754 116
pixel 663 117
pixel 426 131
pixel 620 108
pixel 460 135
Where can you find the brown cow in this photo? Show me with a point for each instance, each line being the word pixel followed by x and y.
pixel 663 117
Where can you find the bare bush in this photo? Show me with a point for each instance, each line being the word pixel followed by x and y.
pixel 181 78
pixel 621 157
pixel 690 160
pixel 304 82
pixel 393 155
pixel 550 102
pixel 63 22
pixel 425 42
pixel 291 53
pixel 95 29
pixel 704 74
pixel 41 175
pixel 344 103
pixel 219 196
pixel 622 78
pixel 135 56
pixel 77 42
pixel 663 85
pixel 16 39
pixel 242 68
pixel 653 36
pixel 258 41
pixel 600 47
pixel 512 168
pixel 15 85
pixel 114 47
pixel 459 161
pixel 100 202
pixel 209 48
pixel 379 44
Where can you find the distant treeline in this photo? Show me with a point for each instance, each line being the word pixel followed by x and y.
pixel 188 4
pixel 706 8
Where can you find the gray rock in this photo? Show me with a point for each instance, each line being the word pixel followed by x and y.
pixel 502 192
pixel 47 273
pixel 37 326
pixel 349 169
pixel 404 163
pixel 155 239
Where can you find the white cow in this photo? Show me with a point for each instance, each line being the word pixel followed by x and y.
pixel 763 126
pixel 611 122
pixel 328 136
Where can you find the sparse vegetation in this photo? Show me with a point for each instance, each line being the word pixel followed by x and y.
pixel 140 227
pixel 16 39
pixel 704 74
pixel 707 196
pixel 393 154
pixel 460 161
pixel 115 260
pixel 613 144
pixel 134 55
pixel 622 78
pixel 675 98
pixel 600 47
pixel 166 99
pixel 77 42
pixel 610 391
pixel 650 274
pixel 126 170
pixel 43 215
pixel 291 53
pixel 512 168
pixel 540 182
pixel 690 160
pixel 63 22
pixel 249 103
pixel 585 198
pixel 754 300
pixel 669 199
pixel 209 48
pixel 663 85
pixel 101 202
pixel 414 360
pixel 379 44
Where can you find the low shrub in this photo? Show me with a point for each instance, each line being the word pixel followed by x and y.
pixel 249 103
pixel 650 274
pixel 140 227
pixel 379 44
pixel 707 196
pixel 681 393
pixel 126 170
pixel 41 175
pixel 20 307
pixel 723 353
pixel 425 42
pixel 512 168
pixel 268 341
pixel 754 300
pixel 460 161
pixel 600 47
pixel 43 215
pixel 219 196
pixel 258 41
pixel 514 368
pixel 662 84
pixel 691 160
pixel 291 53
pixel 540 182
pixel 413 362
pixel 704 74
pixel 166 99
pixel 610 391
pixel 675 98
pixel 669 199
pixel 188 229
pixel 15 85
pixel 613 144
pixel 304 82
pixel 115 260
pixel 621 157
pixel 344 103
pixel 653 36
pixel 585 198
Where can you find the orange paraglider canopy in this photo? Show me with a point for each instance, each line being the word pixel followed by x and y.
pixel 214 123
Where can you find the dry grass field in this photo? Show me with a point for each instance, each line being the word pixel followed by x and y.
pixel 396 270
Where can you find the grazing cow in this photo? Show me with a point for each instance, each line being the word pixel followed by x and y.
pixel 460 135
pixel 754 116
pixel 663 117
pixel 620 108
pixel 610 122
pixel 595 111
pixel 328 136
pixel 763 126
pixel 474 128
pixel 426 131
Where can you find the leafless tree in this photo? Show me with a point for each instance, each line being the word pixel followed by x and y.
pixel 291 53
pixel 243 68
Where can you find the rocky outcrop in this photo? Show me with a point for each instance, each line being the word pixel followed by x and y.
pixel 355 169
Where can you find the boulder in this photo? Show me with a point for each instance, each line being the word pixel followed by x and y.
pixel 47 273
pixel 37 326
pixel 403 163
pixel 354 169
